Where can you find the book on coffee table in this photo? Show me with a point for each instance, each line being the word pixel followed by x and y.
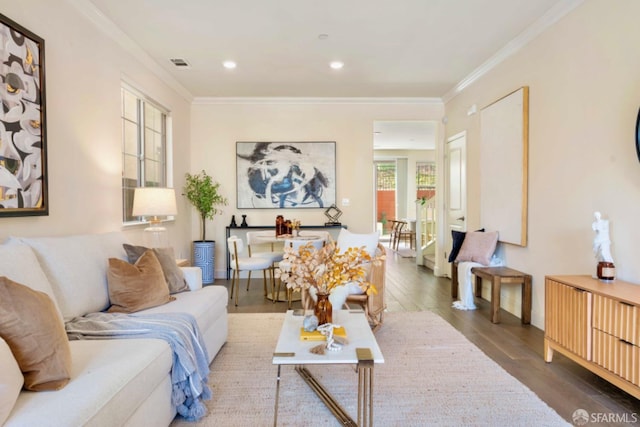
pixel 317 336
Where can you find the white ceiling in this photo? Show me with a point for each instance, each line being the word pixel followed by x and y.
pixel 399 49
pixel 404 135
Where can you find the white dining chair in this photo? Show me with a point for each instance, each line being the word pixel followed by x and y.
pixel 264 244
pixel 241 263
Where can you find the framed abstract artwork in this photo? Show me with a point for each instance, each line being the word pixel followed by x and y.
pixel 277 175
pixel 23 159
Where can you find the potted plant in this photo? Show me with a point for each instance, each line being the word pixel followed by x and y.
pixel 202 192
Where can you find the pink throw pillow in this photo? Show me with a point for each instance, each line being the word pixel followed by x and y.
pixel 478 247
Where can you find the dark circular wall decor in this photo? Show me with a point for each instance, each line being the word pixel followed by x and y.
pixel 638 135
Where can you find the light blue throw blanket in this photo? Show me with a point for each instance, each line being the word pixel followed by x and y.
pixel 190 361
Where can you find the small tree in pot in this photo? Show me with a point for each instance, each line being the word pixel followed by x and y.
pixel 202 192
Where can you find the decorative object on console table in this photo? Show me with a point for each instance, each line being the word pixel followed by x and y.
pixel 233 221
pixel 244 221
pixel 202 192
pixel 295 227
pixel 154 202
pixel 606 270
pixel 23 178
pixel 280 225
pixel 333 214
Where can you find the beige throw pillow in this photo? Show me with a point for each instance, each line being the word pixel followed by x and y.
pixel 172 273
pixel 30 324
pixel 134 287
pixel 478 247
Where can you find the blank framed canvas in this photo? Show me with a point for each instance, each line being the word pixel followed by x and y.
pixel 504 166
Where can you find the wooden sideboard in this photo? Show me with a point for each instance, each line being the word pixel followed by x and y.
pixel 597 325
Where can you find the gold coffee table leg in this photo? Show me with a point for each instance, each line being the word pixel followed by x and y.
pixel 338 411
pixel 365 387
pixel 275 409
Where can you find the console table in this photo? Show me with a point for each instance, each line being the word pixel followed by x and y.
pixel 241 232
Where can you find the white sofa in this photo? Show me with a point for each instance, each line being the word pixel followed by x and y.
pixel 113 382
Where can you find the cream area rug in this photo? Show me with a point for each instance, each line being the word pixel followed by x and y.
pixel 432 376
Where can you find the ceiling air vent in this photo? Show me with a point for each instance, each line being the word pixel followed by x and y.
pixel 180 63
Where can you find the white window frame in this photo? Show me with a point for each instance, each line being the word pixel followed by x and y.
pixel 167 176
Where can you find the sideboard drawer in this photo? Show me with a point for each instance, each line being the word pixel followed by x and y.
pixel 617 318
pixel 618 356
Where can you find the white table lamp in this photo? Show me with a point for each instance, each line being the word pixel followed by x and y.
pixel 154 202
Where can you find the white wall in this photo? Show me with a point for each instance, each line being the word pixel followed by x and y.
pixel 584 97
pixel 216 126
pixel 84 69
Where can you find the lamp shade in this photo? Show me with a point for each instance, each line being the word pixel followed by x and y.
pixel 154 201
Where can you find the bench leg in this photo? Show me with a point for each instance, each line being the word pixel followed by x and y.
pixel 526 300
pixel 454 280
pixel 478 287
pixel 495 300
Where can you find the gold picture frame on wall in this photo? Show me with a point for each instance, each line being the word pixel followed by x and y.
pixel 23 151
pixel 504 160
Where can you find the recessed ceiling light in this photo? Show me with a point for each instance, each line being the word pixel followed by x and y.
pixel 229 65
pixel 336 65
pixel 323 36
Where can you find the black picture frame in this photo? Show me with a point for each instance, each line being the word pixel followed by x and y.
pixel 285 175
pixel 638 135
pixel 23 153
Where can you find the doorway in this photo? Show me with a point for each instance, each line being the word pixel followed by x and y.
pixel 385 184
pixel 456 189
pixel 403 150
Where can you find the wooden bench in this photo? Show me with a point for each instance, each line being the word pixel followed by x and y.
pixel 497 276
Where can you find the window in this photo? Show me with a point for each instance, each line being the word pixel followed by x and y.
pixel 425 179
pixel 386 175
pixel 144 147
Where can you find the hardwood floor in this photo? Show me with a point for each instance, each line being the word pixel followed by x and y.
pixel 562 384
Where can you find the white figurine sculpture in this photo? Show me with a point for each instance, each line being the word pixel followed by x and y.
pixel 601 243
pixel 327 331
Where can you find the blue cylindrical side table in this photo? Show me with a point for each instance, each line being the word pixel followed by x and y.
pixel 204 257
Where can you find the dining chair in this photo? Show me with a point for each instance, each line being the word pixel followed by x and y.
pixel 406 236
pixel 245 263
pixel 396 230
pixel 265 244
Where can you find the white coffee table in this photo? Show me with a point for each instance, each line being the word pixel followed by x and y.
pixel 362 350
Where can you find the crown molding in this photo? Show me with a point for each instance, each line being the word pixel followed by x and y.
pixel 91 12
pixel 314 100
pixel 552 16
